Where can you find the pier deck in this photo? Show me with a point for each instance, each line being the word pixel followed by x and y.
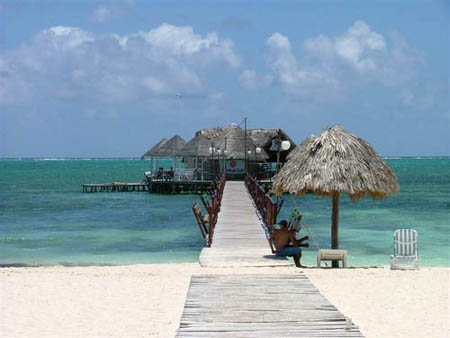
pixel 116 186
pixel 253 305
pixel 239 239
pixel 260 306
pixel 153 186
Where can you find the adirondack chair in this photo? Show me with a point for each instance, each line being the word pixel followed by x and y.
pixel 406 254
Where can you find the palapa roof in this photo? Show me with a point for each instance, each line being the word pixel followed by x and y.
pixel 263 139
pixel 234 137
pixel 336 161
pixel 205 138
pixel 196 147
pixel 171 147
pixel 152 150
pixel 211 133
pixel 294 151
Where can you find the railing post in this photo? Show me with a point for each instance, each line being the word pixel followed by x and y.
pixel 216 200
pixel 267 208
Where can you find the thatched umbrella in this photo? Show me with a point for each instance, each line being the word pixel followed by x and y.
pixel 333 163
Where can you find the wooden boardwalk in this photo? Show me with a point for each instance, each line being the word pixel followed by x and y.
pixel 253 305
pixel 259 306
pixel 239 239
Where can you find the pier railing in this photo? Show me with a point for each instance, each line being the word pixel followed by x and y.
pixel 267 207
pixel 212 205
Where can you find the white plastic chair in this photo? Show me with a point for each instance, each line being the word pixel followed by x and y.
pixel 406 252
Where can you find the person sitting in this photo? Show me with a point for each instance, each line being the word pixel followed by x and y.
pixel 159 173
pixel 283 238
pixel 170 174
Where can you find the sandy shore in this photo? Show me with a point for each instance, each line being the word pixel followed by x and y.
pixel 147 300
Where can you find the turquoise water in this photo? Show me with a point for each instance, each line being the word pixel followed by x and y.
pixel 46 219
pixel 366 226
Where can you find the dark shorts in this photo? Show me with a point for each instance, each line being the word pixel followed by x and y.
pixel 289 251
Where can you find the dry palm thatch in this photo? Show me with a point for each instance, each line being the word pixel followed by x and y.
pixel 237 145
pixel 263 138
pixel 196 147
pixel 294 151
pixel 333 163
pixel 152 150
pixel 171 148
pixel 211 134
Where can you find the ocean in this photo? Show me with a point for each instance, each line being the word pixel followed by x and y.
pixel 46 219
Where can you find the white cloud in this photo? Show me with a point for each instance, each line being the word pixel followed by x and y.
pixel 329 67
pixel 294 76
pixel 357 45
pixel 62 37
pixel 250 79
pixel 68 62
pixel 102 14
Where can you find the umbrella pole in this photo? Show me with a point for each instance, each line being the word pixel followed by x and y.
pixel 335 226
pixel 307 227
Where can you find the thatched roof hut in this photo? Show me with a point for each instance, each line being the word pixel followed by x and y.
pixel 263 138
pixel 171 148
pixel 196 147
pixel 233 140
pixel 256 138
pixel 333 163
pixel 152 151
pixel 211 133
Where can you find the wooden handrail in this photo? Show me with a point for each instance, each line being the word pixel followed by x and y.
pixel 212 206
pixel 216 200
pixel 267 207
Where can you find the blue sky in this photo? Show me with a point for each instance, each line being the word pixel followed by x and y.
pixel 101 78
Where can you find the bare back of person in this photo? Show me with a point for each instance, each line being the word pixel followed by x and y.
pixel 286 244
pixel 282 238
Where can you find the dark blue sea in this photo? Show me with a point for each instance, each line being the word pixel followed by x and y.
pixel 45 218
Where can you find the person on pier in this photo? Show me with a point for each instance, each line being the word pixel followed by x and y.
pixel 286 245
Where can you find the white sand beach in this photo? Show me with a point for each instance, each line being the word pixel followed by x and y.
pixel 148 300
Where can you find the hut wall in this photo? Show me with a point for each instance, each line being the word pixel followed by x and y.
pixel 190 162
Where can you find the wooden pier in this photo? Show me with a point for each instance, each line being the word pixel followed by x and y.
pixel 179 187
pixel 260 306
pixel 239 238
pixel 154 186
pixel 252 305
pixel 115 187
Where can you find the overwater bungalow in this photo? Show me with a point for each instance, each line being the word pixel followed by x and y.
pixel 152 151
pixel 164 150
pixel 230 150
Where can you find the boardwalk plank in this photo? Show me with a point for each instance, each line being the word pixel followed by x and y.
pixel 239 238
pixel 259 306
pixel 253 306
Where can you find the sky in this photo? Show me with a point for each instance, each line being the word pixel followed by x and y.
pixel 111 78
